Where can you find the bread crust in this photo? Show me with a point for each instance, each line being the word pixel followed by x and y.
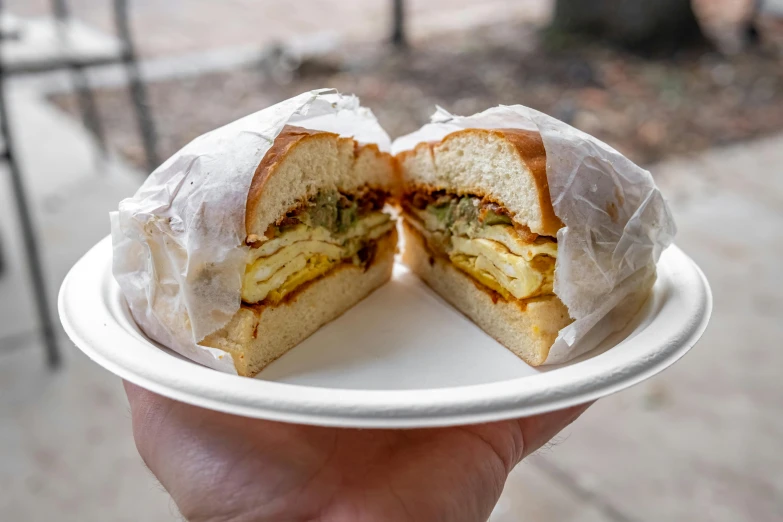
pixel 529 148
pixel 289 139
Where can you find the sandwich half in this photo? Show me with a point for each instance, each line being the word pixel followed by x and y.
pixel 319 239
pixel 480 230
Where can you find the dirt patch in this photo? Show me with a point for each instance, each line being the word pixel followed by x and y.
pixel 648 109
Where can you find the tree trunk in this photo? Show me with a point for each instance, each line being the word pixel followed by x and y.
pixel 646 26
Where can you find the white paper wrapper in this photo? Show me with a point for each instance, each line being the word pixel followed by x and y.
pixel 617 223
pixel 179 242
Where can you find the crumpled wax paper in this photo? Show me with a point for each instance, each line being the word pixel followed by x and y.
pixel 179 242
pixel 617 223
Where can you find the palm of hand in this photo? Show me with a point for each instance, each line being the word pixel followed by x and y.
pixel 222 467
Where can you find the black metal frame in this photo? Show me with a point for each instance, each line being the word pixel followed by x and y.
pixel 127 58
pixel 28 234
pixel 79 80
pixel 138 91
pixel 91 119
pixel 398 36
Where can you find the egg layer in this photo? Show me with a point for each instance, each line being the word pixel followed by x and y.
pixel 495 255
pixel 301 253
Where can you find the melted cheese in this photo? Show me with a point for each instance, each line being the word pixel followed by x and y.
pixel 301 254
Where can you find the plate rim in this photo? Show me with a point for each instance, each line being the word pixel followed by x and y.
pixel 458 405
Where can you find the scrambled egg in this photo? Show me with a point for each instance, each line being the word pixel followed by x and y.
pixel 301 254
pixel 315 266
pixel 497 256
pixel 507 236
pixel 496 266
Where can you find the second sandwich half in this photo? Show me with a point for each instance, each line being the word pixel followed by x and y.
pixel 481 231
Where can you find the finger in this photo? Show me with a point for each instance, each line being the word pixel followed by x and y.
pixel 539 429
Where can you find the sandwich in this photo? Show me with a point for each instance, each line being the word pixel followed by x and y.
pixel 255 235
pixel 479 228
pixel 319 238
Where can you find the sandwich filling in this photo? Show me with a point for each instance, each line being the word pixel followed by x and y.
pixel 480 238
pixel 312 239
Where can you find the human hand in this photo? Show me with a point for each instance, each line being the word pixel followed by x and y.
pixel 219 467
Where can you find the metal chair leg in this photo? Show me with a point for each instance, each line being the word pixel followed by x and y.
pixel 47 325
pixel 398 36
pixel 84 95
pixel 136 86
pixel 88 107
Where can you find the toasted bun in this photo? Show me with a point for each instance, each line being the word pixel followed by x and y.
pixel 527 328
pixel 256 336
pixel 301 162
pixel 505 165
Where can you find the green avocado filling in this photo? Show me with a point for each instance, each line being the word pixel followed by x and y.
pixel 450 213
pixel 331 210
pixel 492 218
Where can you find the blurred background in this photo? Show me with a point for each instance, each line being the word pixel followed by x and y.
pixel 97 92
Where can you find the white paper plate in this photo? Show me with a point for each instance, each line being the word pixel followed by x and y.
pixel 401 358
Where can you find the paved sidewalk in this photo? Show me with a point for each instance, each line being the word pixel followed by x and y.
pixel 185 26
